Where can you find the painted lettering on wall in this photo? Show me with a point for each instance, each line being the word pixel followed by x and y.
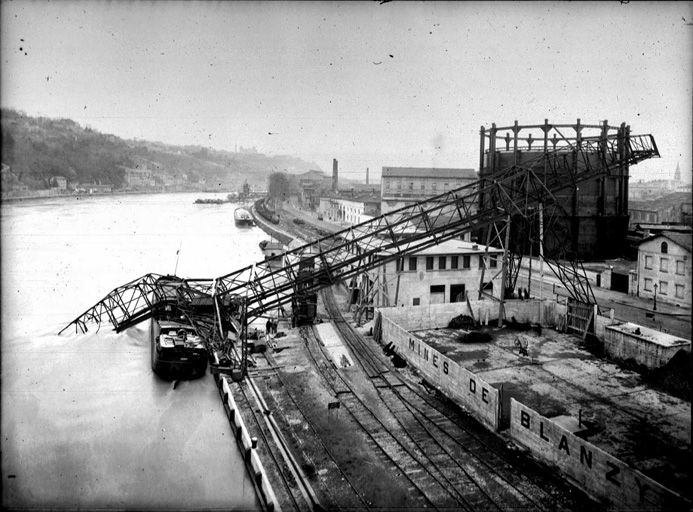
pixel 611 474
pixel 564 446
pixel 445 367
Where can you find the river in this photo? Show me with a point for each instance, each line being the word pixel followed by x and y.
pixel 85 422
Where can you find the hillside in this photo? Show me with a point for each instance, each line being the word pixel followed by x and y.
pixel 37 149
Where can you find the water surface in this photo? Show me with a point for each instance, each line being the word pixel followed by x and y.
pixel 85 422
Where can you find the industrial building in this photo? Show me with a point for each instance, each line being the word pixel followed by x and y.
pixel 351 209
pixel 444 273
pixel 402 186
pixel 590 218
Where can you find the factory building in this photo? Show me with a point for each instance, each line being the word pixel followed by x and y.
pixel 350 209
pixel 444 273
pixel 402 186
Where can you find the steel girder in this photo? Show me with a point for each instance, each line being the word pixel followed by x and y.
pixel 259 287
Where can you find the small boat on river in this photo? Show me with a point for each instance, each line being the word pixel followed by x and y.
pixel 242 217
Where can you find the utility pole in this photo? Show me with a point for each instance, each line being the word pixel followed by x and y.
pixel 504 273
pixel 541 262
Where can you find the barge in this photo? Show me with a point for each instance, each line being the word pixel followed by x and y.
pixel 242 217
pixel 177 350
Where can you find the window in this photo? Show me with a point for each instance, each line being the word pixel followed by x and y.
pixel 466 261
pixel 482 263
pixel 434 186
pixel 423 185
pixel 400 265
pixel 446 186
pixel 438 288
pixel 411 185
pixel 663 285
pixel 648 284
pixel 648 262
pixel 679 291
pixel 412 263
pixel 454 261
pixel 441 263
pixel 663 264
pixel 680 268
pixel 494 261
pixel 429 262
pixel 665 248
pixel 416 301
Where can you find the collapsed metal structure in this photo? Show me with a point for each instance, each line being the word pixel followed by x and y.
pixel 225 304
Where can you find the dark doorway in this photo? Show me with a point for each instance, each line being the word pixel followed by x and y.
pixel 619 282
pixel 457 293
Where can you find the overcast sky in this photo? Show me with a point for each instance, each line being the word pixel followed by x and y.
pixel 371 84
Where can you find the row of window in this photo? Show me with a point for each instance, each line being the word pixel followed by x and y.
pixel 390 185
pixel 664 264
pixel 443 262
pixel 663 288
pixel 458 293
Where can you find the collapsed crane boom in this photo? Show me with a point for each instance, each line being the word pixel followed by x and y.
pixel 262 287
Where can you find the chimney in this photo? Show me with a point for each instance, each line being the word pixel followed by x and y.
pixel 366 175
pixel 335 175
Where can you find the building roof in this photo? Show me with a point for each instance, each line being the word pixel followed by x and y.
pixel 682 239
pixel 428 172
pixel 649 335
pixel 357 198
pixel 457 247
pixel 658 228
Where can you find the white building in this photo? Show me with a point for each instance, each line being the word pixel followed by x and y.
pixel 664 268
pixel 349 209
pixel 402 186
pixel 446 272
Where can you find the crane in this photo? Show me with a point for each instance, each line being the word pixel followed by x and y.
pixel 228 302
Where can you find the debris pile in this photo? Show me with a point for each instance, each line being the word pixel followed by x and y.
pixel 462 322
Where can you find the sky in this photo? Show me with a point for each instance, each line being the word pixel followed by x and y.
pixel 371 84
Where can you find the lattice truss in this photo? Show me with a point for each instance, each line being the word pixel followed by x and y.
pixel 516 190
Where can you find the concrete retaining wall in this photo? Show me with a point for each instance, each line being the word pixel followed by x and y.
pixel 457 383
pixel 596 472
pixel 245 443
pixel 270 228
pixel 434 316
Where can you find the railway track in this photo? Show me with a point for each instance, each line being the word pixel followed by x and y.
pixel 449 459
pixel 299 417
pixel 295 490
pixel 427 488
pixel 474 462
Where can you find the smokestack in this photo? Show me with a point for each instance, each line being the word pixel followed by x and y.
pixel 335 175
pixel 366 175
